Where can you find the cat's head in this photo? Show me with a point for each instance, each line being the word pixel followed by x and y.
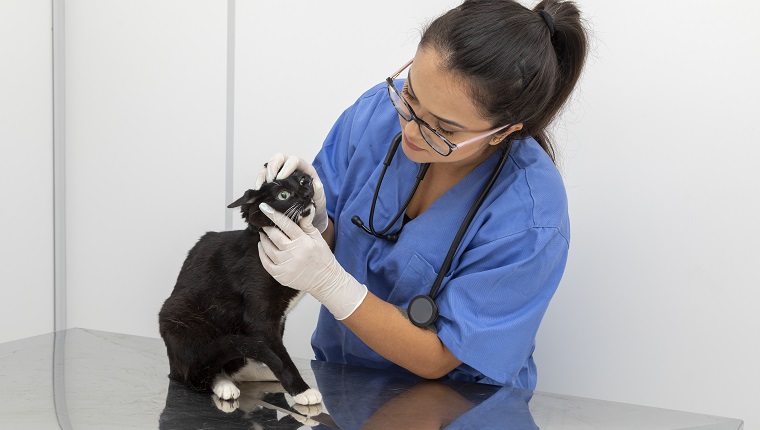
pixel 292 196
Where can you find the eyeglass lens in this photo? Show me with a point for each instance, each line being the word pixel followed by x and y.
pixel 429 135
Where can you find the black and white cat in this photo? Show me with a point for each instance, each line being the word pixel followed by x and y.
pixel 225 319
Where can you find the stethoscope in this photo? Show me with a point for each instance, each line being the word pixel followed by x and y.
pixel 422 309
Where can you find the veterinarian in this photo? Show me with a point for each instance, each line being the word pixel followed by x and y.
pixel 486 81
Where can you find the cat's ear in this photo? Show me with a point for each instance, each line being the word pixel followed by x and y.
pixel 249 197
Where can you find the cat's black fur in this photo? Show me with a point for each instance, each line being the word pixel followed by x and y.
pixel 225 307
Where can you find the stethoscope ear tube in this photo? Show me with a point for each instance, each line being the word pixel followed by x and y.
pixel 423 310
pixel 392 149
pixel 383 234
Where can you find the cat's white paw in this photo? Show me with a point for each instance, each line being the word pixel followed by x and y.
pixel 308 410
pixel 305 420
pixel 225 389
pixel 224 405
pixel 308 397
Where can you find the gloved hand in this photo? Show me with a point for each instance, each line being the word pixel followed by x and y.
pixel 281 166
pixel 297 256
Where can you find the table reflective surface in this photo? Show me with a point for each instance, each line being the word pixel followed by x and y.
pixel 86 379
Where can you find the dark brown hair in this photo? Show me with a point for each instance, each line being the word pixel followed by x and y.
pixel 521 65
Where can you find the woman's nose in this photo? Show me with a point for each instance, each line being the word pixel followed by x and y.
pixel 412 130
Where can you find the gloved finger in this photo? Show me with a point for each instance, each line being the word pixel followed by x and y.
pixel 266 261
pixel 319 192
pixel 294 163
pixel 291 229
pixel 277 238
pixel 290 165
pixel 275 255
pixel 274 165
pixel 306 223
pixel 265 174
pixel 281 166
pixel 260 179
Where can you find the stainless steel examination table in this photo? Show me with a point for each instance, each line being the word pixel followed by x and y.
pixel 86 379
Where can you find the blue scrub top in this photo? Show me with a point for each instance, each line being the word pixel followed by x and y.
pixel 503 275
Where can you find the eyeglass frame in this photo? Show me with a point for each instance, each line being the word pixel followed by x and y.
pixel 452 147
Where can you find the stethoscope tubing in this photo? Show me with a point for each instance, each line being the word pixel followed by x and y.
pixel 466 223
pixel 387 162
pixel 422 309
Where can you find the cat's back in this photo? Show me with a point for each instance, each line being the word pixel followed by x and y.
pixel 217 259
pixel 212 273
pixel 223 245
pixel 225 240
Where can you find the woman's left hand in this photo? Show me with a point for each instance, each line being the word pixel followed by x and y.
pixel 298 257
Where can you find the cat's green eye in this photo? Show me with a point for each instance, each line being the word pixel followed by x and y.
pixel 284 195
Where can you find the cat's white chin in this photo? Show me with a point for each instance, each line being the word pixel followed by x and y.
pixel 308 211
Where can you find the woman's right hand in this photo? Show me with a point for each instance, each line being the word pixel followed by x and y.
pixel 281 166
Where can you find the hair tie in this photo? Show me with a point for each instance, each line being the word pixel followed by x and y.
pixel 549 21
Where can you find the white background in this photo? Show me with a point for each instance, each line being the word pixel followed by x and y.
pixel 658 150
pixel 26 169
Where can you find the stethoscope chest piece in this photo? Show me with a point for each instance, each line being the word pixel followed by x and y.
pixel 422 311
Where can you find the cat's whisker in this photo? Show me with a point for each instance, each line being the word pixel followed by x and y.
pixel 291 212
pixel 296 211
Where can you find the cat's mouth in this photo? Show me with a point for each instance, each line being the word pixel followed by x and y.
pixel 298 212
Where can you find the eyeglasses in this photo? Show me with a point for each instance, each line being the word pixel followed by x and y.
pixel 433 138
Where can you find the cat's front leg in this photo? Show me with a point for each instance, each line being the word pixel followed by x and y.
pixel 288 375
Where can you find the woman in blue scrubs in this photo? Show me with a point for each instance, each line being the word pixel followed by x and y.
pixel 488 76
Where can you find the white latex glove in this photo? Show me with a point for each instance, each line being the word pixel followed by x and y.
pixel 281 166
pixel 297 256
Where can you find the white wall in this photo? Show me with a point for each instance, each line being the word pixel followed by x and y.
pixel 658 305
pixel 145 158
pixel 658 147
pixel 26 175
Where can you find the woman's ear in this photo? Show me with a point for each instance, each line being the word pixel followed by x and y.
pixel 500 136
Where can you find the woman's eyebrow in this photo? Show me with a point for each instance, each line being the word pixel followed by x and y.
pixel 447 121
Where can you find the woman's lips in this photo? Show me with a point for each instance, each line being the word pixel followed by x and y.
pixel 412 146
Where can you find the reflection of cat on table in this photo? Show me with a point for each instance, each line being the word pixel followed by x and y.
pixel 257 407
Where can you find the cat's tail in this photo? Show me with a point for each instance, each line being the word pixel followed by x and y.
pixel 198 365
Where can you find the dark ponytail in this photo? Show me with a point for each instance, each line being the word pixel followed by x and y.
pixel 521 64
